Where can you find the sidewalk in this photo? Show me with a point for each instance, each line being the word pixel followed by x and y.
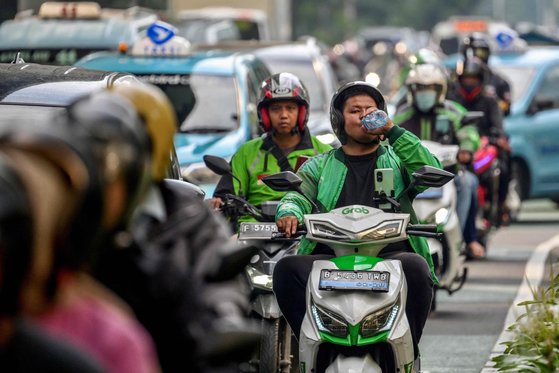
pixel 537 273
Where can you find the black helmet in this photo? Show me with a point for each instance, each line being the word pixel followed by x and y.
pixel 281 87
pixel 119 142
pixel 346 91
pixel 476 44
pixel 472 66
pixel 16 233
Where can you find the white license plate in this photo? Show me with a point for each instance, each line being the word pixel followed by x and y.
pixel 333 279
pixel 250 231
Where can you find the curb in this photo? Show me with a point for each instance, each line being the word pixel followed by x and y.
pixel 533 277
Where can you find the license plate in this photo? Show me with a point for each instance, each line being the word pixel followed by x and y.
pixel 257 230
pixel 331 279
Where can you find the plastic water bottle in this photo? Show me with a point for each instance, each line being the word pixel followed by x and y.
pixel 374 120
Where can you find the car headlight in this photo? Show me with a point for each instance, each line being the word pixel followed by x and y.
pixel 259 279
pixel 382 319
pixel 329 322
pixel 387 229
pixel 198 173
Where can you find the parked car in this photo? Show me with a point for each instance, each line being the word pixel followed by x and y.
pixel 61 32
pixel 33 91
pixel 214 94
pixel 533 123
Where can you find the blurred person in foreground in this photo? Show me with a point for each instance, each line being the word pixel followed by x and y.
pixel 24 347
pixel 66 163
pixel 345 176
pixel 166 267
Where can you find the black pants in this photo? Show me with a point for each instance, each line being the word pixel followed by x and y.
pixel 292 272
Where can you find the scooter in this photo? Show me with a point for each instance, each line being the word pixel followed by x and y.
pixel 275 350
pixel 355 319
pixel 488 169
pixel 438 206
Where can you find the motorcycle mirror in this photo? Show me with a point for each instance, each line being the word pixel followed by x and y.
pixel 432 176
pixel 182 186
pixel 217 164
pixel 471 117
pixel 232 263
pixel 285 181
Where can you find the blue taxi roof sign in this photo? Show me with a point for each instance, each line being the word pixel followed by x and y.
pixel 161 40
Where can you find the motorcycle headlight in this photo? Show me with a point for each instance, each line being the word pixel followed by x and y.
pixel 442 215
pixel 382 319
pixel 198 173
pixel 325 230
pixel 329 322
pixel 259 279
pixel 385 230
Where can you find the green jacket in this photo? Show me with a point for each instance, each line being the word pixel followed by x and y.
pixel 251 162
pixel 443 124
pixel 324 176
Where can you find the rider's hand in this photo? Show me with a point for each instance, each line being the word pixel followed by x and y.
pixel 382 130
pixel 287 225
pixel 215 203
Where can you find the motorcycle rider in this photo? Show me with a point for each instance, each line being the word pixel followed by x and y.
pixel 344 177
pixel 283 112
pixel 472 76
pixel 431 117
pixel 162 271
pixel 477 44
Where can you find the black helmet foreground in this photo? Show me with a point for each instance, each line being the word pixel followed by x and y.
pixel 346 91
pixel 281 87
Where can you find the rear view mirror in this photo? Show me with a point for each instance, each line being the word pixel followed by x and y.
pixel 431 176
pixel 285 181
pixel 472 117
pixel 217 164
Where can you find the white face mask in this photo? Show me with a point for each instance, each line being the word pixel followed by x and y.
pixel 425 100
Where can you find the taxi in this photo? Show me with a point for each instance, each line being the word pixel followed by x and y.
pixel 214 94
pixel 533 122
pixel 62 32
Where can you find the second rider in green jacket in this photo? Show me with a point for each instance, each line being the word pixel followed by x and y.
pixel 283 112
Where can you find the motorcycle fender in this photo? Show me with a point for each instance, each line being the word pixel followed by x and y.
pixel 266 306
pixel 353 364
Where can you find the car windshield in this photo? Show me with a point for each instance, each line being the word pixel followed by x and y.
pixel 203 103
pixel 305 71
pixel 519 79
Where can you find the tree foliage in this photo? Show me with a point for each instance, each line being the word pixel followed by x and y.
pixel 334 20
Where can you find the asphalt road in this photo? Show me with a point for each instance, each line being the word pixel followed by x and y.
pixel 464 331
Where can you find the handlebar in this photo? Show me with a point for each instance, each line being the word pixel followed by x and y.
pixel 423 230
pixel 280 236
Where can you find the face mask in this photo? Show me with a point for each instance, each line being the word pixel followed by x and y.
pixel 469 87
pixel 425 100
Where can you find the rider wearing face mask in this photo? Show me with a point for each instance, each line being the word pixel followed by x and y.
pixel 431 117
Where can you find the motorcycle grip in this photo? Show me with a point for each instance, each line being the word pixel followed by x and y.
pixel 280 236
pixel 428 228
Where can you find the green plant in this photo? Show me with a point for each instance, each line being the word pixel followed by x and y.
pixel 534 346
